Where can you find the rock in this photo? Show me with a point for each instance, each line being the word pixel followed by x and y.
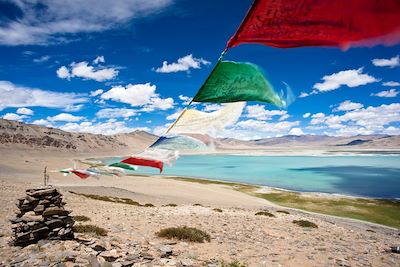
pixel 41 192
pixel 128 263
pixel 41 215
pixel 132 257
pixel 93 262
pixel 110 256
pixel 39 209
pixel 165 250
pixel 146 256
pixel 28 217
pixel 54 223
pixel 98 246
pixel 187 262
pixel 19 259
pixel 54 211
pixel 44 202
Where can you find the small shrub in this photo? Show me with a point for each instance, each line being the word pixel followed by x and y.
pixel 234 263
pixel 89 228
pixel 81 218
pixel 283 211
pixel 217 210
pixel 265 213
pixel 304 223
pixel 197 205
pixel 114 199
pixel 171 205
pixel 184 233
pixel 130 202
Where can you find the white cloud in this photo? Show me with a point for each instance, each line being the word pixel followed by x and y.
pixel 183 64
pixel 85 71
pixel 108 128
pixel 391 84
pixel 296 131
pixel 41 59
pixel 14 117
pixel 73 108
pixel 391 62
pixel 388 93
pixel 348 105
pixel 303 94
pixel 157 103
pixel 96 92
pixel 186 100
pixel 99 59
pixel 19 96
pixel 116 113
pixel 369 120
pixel 317 118
pixel 282 127
pixel 260 113
pixel 63 73
pixel 47 21
pixel 139 95
pixel 25 111
pixel 350 78
pixel 42 122
pixel 65 117
pixel 306 115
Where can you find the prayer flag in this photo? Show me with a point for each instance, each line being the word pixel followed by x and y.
pixel 124 166
pixel 144 162
pixel 211 123
pixel 179 142
pixel 296 23
pixel 81 174
pixel 237 81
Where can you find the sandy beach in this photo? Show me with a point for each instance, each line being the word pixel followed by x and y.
pixel 236 232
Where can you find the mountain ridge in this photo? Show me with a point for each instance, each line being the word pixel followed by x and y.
pixel 20 135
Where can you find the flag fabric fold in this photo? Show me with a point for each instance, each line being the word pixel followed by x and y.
pixel 124 166
pixel 83 174
pixel 179 142
pixel 237 81
pixel 166 156
pixel 134 160
pixel 296 23
pixel 199 122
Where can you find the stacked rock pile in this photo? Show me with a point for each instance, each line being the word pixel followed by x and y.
pixel 41 215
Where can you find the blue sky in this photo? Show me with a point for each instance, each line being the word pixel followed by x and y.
pixel 88 66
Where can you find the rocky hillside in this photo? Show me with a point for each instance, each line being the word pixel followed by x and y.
pixel 316 141
pixel 27 136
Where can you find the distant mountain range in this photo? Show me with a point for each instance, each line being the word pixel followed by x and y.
pixel 18 135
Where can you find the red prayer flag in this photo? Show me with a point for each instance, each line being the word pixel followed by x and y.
pixel 80 174
pixel 144 162
pixel 295 23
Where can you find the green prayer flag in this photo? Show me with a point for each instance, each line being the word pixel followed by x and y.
pixel 123 166
pixel 237 81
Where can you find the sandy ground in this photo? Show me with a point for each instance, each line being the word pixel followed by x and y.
pixel 236 232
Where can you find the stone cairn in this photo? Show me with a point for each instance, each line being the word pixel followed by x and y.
pixel 41 215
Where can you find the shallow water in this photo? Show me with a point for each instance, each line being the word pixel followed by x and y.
pixel 369 176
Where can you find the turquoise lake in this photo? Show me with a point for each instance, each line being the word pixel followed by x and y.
pixel 368 176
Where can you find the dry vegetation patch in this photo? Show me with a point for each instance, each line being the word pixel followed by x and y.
pixel 264 213
pixel 90 229
pixel 184 233
pixel 81 218
pixel 121 200
pixel 304 223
